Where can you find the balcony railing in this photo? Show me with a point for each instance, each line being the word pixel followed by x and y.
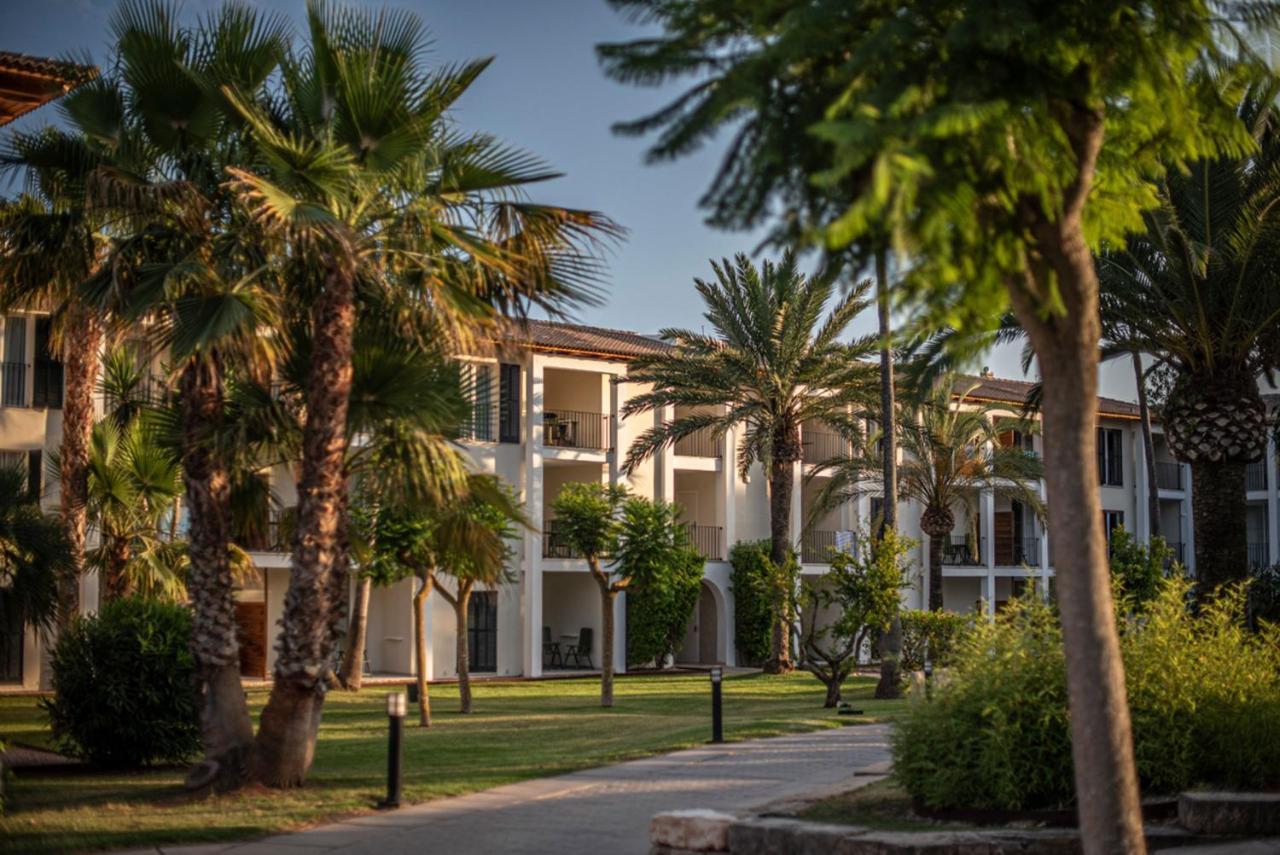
pixel 816 547
pixel 271 537
pixel 13 384
pixel 707 539
pixel 962 551
pixel 819 446
pixel 575 429
pixel 1255 476
pixel 1168 475
pixel 1258 557
pixel 700 443
pixel 1022 551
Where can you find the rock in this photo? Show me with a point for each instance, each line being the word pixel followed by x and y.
pixel 1230 813
pixel 691 830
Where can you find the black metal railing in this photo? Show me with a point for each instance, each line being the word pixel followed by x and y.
pixel 700 443
pixel 575 429
pixel 1258 557
pixel 816 547
pixel 554 543
pixel 1168 475
pixel 1023 551
pixel 13 384
pixel 707 539
pixel 962 551
pixel 1255 476
pixel 46 388
pixel 818 446
pixel 269 535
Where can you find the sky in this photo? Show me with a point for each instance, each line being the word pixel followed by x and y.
pixel 544 93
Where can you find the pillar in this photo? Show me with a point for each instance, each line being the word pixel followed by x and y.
pixel 531 578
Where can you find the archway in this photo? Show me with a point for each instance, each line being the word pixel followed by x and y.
pixel 702 642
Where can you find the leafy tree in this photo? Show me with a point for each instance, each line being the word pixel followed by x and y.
pixel 752 612
pixel 665 573
pixel 997 147
pixel 33 550
pixel 1139 571
pixel 361 176
pixel 773 361
pixel 865 590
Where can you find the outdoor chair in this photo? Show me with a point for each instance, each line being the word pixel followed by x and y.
pixel 551 655
pixel 582 649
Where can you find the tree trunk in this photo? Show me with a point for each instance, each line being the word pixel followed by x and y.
pixel 781 476
pixel 352 676
pixel 1066 343
pixel 607 595
pixel 833 693
pixel 460 604
pixel 1219 505
pixel 936 543
pixel 115 579
pixel 80 368
pixel 226 729
pixel 890 685
pixel 314 607
pixel 422 650
pixel 1148 448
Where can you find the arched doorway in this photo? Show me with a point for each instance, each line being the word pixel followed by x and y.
pixel 702 638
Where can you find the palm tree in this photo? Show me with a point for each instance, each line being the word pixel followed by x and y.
pixel 952 447
pixel 1199 291
pixel 771 363
pixel 360 175
pixel 53 242
pixel 34 551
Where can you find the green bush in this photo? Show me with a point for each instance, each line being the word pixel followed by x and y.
pixel 1264 596
pixel 658 616
pixel 753 611
pixel 124 686
pixel 941 631
pixel 1138 570
pixel 1204 697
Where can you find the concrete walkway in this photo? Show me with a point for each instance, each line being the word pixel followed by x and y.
pixel 605 810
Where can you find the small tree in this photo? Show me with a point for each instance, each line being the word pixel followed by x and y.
pixel 665 574
pixel 1138 571
pixel 865 587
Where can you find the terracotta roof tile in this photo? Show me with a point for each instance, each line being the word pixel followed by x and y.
pixel 583 340
pixel 26 82
pixel 1001 389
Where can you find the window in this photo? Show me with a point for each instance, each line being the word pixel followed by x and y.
pixel 477 385
pixel 1111 520
pixel 11 638
pixel 46 391
pixel 482 631
pixel 1110 457
pixel 508 403
pixel 13 378
pixel 35 471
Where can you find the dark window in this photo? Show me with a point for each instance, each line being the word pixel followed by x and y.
pixel 877 513
pixel 482 631
pixel 35 464
pixel 47 388
pixel 1110 457
pixel 508 403
pixel 1111 520
pixel 13 382
pixel 10 639
pixel 477 383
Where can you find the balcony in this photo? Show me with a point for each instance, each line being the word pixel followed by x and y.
pixel 274 536
pixel 819 446
pixel 575 429
pixel 1258 557
pixel 1169 475
pixel 816 547
pixel 1020 552
pixel 700 443
pixel 707 539
pixel 962 551
pixel 1255 476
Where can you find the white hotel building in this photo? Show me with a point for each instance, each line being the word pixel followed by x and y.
pixel 547 413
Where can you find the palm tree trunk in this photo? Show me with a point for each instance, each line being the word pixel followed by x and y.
pixel 1066 343
pixel 1148 448
pixel 352 675
pixel 115 582
pixel 314 607
pixel 781 476
pixel 936 544
pixel 225 726
pixel 80 368
pixel 460 604
pixel 422 650
pixel 607 595
pixel 1220 507
pixel 890 685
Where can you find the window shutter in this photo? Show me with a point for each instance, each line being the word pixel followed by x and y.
pixel 508 403
pixel 34 471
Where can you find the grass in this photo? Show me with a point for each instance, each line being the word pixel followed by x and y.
pixel 520 730
pixel 882 805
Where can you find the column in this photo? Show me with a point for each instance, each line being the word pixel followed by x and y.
pixel 1142 516
pixel 1273 503
pixel 531 578
pixel 797 502
pixel 988 514
pixel 989 594
pixel 664 470
pixel 609 397
pixel 1044 547
pixel 620 633
pixel 728 482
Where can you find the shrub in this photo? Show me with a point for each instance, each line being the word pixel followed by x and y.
pixel 1264 596
pixel 941 631
pixel 124 686
pixel 1138 570
pixel 658 615
pixel 751 584
pixel 1204 697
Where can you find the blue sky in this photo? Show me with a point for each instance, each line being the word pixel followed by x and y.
pixel 544 93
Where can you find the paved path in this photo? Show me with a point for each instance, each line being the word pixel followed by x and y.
pixel 605 810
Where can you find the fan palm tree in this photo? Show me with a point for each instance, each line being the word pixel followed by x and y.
pixel 953 448
pixel 53 242
pixel 363 178
pixel 34 551
pixel 1199 289
pixel 773 361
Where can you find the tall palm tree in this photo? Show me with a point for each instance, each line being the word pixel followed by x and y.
pixel 34 551
pixel 1199 290
pixel 53 242
pixel 361 175
pixel 953 448
pixel 772 361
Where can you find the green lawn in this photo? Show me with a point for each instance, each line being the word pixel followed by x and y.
pixel 520 730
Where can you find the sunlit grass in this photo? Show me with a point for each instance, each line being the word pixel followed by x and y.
pixel 520 730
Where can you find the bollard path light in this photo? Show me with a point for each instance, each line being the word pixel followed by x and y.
pixel 717 726
pixel 396 708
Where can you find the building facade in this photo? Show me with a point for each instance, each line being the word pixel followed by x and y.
pixel 546 412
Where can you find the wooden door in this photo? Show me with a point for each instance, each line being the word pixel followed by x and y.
pixel 1004 525
pixel 251 633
